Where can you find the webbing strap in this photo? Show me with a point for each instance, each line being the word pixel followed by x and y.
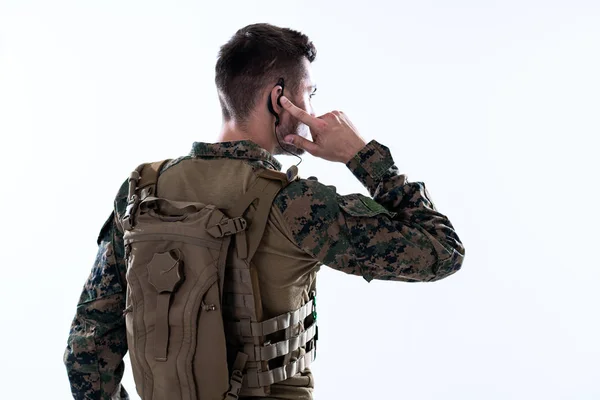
pixel 264 188
pixel 144 179
pixel 248 198
pixel 239 281
pixel 239 275
pixel 283 321
pixel 161 331
pixel 269 352
pixel 237 377
pixel 261 216
pixel 239 300
pixel 149 175
pixel 267 378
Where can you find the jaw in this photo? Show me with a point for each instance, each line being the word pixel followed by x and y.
pixel 287 149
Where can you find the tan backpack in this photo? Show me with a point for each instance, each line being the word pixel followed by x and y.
pixel 176 255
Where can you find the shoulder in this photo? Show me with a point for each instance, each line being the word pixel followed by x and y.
pixel 120 201
pixel 173 162
pixel 305 195
pixel 309 210
pixel 309 197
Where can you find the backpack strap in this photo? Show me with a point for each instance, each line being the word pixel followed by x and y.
pixel 149 178
pixel 237 377
pixel 264 188
pixel 143 180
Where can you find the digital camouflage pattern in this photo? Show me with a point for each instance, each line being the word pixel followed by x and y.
pixel 396 235
pixel 97 340
pixel 244 150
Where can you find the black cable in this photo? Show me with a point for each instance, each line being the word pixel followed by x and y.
pixel 284 149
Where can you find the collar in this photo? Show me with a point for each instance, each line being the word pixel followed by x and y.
pixel 241 149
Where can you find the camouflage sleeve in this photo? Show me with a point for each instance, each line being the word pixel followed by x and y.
pixel 396 235
pixel 97 339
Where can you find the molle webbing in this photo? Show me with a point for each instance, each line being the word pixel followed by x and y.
pixel 281 322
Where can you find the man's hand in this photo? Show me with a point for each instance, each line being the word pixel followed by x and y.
pixel 334 136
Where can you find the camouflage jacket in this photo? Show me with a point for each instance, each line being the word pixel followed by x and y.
pixel 397 234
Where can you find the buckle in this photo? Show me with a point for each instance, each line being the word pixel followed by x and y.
pixel 132 206
pixel 313 297
pixel 237 376
pixel 310 345
pixel 235 385
pixel 231 226
pixel 126 223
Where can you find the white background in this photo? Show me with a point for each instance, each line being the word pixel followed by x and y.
pixel 494 104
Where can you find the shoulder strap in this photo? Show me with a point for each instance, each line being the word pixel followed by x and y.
pixel 266 186
pixel 143 179
pixel 149 178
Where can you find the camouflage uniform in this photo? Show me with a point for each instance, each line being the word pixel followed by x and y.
pixel 396 235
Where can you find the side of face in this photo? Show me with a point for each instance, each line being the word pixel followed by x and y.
pixel 289 125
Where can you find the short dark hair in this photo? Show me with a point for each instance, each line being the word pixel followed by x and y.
pixel 255 57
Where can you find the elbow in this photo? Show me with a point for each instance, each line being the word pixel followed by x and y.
pixel 448 266
pixel 450 254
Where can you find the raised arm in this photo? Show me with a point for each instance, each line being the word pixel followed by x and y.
pixel 396 235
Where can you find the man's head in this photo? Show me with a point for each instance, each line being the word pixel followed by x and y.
pixel 248 69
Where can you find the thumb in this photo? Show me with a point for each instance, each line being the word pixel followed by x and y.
pixel 302 143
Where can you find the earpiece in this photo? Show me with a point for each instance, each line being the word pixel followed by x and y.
pixel 292 172
pixel 281 83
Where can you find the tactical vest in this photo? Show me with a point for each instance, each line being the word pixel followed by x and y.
pixel 195 328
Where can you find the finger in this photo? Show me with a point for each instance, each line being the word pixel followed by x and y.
pixel 302 143
pixel 300 114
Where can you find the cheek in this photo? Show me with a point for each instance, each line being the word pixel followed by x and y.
pixel 306 105
pixel 303 103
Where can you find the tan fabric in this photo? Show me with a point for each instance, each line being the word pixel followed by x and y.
pixel 284 273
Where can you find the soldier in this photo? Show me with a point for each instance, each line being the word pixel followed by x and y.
pixel 396 234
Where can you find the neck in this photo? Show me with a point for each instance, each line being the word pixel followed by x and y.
pixel 254 131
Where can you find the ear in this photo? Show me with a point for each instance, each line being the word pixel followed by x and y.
pixel 275 95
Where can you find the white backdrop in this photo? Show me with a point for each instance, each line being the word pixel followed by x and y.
pixel 494 104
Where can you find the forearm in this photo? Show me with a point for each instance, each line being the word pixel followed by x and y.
pixel 95 350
